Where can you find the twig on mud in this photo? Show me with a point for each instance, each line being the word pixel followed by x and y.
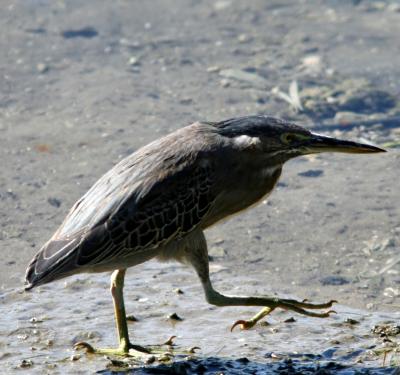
pixel 389 266
pixel 292 97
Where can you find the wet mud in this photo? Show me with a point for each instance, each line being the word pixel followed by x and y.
pixel 42 327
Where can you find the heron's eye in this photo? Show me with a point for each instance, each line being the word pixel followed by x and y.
pixel 288 138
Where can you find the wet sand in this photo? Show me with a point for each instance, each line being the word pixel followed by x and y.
pixel 84 86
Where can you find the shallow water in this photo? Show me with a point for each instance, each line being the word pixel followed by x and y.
pixel 38 328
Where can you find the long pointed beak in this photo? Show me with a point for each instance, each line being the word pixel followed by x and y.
pixel 320 143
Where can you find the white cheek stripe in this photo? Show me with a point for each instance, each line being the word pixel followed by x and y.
pixel 247 141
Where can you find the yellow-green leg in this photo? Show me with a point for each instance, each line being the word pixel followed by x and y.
pixel 117 285
pixel 126 348
pixel 197 255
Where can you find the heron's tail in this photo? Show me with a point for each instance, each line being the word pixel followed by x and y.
pixel 31 279
pixel 50 263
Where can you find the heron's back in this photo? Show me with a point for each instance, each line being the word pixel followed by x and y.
pixel 158 193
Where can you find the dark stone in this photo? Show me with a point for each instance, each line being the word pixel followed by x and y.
pixel 54 202
pixel 312 173
pixel 85 32
pixel 175 316
pixel 334 280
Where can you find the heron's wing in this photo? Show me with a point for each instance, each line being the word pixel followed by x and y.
pixel 141 203
pixel 154 214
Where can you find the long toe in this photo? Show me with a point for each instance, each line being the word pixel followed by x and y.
pixel 300 307
pixel 89 349
pixel 312 314
pixel 308 305
pixel 130 351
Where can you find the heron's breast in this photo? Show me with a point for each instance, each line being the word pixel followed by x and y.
pixel 243 192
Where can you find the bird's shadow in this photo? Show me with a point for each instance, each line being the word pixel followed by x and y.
pixel 302 364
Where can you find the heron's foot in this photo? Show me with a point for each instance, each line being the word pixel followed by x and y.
pixel 301 307
pixel 123 350
pixel 159 352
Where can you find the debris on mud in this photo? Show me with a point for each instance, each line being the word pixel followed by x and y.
pixel 357 96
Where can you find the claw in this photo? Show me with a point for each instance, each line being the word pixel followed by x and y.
pixel 244 324
pixel 170 341
pixel 84 345
pixel 193 349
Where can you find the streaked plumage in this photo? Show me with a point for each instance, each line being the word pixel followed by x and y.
pixel 157 194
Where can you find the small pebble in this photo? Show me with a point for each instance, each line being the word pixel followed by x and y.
pixel 225 83
pixel 243 38
pixel 175 316
pixel 54 202
pixel 334 280
pixel 351 321
pixel 50 342
pixel 42 148
pixel 117 363
pixel 133 61
pixel 289 320
pixel 312 61
pixel 222 4
pixel 186 101
pixel 26 363
pixel 42 68
pixel 131 318
pixel 35 320
pixel 150 359
pixel 213 69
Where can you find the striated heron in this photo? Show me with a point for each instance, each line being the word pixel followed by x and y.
pixel 158 201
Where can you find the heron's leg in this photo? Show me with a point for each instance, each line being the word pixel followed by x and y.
pixel 269 303
pixel 116 288
pixel 197 255
pixel 126 348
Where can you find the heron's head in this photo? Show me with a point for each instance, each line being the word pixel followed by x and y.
pixel 280 140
